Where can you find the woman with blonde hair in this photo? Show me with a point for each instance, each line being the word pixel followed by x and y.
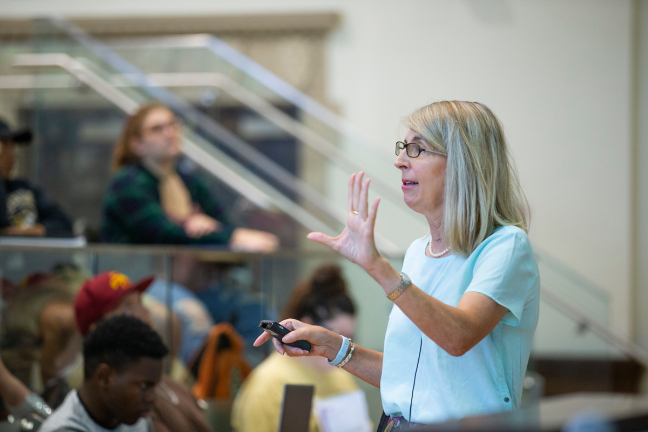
pixel 467 298
pixel 150 200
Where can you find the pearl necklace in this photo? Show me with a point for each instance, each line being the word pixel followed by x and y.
pixel 437 255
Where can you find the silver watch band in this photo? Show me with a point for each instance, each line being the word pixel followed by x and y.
pixel 404 283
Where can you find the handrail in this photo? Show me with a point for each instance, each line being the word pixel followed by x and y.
pixel 258 72
pixel 566 272
pixel 216 163
pixel 630 349
pixel 206 253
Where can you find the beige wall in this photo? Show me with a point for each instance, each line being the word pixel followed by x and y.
pixel 558 73
pixel 641 191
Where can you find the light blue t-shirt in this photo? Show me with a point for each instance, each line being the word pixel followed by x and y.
pixel 425 384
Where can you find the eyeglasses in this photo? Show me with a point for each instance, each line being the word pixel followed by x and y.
pixel 176 124
pixel 413 150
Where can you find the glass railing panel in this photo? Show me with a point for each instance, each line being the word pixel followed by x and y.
pixel 36 282
pixel 559 335
pixel 573 288
pixel 242 289
pixel 92 125
pixel 250 164
pixel 283 171
pixel 213 74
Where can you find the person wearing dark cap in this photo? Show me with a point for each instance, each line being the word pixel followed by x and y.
pixel 122 368
pixel 112 294
pixel 25 210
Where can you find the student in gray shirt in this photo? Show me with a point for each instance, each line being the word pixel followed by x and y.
pixel 122 366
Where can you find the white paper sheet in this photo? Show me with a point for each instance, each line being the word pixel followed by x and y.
pixel 343 413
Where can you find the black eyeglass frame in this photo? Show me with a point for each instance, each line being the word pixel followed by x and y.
pixel 401 145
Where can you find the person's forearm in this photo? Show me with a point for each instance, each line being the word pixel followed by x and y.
pixel 12 390
pixel 366 364
pixel 452 328
pixel 442 323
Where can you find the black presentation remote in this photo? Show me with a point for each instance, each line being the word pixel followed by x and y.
pixel 278 331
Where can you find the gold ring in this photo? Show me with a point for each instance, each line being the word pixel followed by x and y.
pixel 355 212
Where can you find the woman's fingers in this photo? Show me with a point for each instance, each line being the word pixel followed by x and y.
pixel 357 188
pixel 295 327
pixel 363 199
pixel 322 238
pixel 294 351
pixel 263 338
pixel 319 237
pixel 308 333
pixel 350 192
pixel 278 346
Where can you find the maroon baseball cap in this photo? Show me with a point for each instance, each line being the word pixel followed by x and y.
pixel 101 294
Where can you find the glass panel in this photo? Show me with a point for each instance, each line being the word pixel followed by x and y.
pixel 92 117
pixel 243 289
pixel 214 75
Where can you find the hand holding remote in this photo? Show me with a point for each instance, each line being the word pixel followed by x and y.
pixel 278 331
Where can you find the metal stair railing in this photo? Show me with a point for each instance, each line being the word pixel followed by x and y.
pixel 255 70
pixel 628 348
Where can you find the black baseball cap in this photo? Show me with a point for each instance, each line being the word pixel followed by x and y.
pixel 18 136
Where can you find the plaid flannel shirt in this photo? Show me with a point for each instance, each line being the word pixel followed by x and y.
pixel 132 212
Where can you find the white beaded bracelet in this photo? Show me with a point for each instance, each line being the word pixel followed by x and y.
pixel 340 355
pixel 346 360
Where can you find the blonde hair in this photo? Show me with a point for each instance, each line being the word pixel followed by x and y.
pixel 482 190
pixel 123 154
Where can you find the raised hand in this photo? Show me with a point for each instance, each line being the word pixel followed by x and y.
pixel 356 242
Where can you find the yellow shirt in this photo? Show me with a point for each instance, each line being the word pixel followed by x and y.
pixel 258 404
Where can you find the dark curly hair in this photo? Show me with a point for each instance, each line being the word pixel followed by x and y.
pixel 321 296
pixel 121 341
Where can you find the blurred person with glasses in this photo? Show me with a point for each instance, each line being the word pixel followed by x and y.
pixel 151 200
pixel 466 301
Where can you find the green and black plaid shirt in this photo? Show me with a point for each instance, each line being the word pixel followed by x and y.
pixel 132 212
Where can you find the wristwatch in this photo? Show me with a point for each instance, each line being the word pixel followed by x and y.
pixel 404 283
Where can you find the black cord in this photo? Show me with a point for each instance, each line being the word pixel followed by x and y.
pixel 415 372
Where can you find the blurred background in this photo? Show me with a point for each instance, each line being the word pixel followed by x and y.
pixel 282 100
